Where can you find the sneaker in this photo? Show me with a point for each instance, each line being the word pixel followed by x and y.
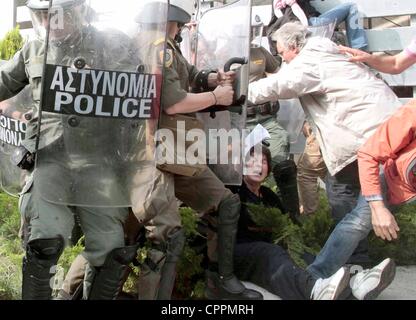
pixel 330 288
pixel 368 284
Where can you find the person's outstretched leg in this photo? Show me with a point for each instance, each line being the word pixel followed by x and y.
pixel 270 267
pixel 347 12
pixel 343 240
pixel 343 190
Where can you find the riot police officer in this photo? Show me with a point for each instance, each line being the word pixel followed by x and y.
pixel 201 190
pixel 50 223
pixel 158 212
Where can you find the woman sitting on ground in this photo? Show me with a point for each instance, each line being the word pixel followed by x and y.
pixel 258 260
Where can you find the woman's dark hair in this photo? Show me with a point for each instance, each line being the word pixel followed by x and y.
pixel 266 152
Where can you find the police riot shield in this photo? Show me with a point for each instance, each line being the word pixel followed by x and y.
pixel 100 101
pixel 188 42
pixel 291 117
pixel 223 42
pixel 13 117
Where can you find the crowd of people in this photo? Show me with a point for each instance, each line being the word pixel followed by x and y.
pixel 360 142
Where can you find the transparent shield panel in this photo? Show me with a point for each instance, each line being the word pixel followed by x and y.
pixel 224 34
pixel 100 101
pixel 291 117
pixel 188 43
pixel 14 114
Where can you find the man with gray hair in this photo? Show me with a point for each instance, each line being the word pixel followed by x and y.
pixel 344 103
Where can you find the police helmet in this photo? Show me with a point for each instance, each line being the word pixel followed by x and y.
pixel 150 13
pixel 181 10
pixel 44 4
pixel 74 15
pixel 178 11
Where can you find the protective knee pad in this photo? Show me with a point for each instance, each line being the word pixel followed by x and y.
pixel 38 267
pixel 46 249
pixel 229 210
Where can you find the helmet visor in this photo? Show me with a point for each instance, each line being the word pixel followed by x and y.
pixel 39 22
pixel 64 22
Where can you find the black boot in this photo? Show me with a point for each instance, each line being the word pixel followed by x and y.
pixel 109 278
pixel 158 272
pixel 224 284
pixel 219 287
pixel 175 245
pixel 284 174
pixel 39 267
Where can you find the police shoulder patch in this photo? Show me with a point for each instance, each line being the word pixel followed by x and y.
pixel 166 57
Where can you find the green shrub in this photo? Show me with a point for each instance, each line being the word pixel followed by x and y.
pixel 11 256
pixel 190 275
pixel 9 217
pixel 308 237
pixel 11 43
pixel 189 222
pixel 11 252
pixel 317 227
pixel 403 250
pixel 69 254
pixel 284 232
pixel 190 282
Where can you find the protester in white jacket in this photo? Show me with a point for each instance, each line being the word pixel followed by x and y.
pixel 344 102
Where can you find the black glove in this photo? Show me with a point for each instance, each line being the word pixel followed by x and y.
pixel 265 143
pixel 22 158
pixel 275 107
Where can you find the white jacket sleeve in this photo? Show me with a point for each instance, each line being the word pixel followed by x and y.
pixel 292 81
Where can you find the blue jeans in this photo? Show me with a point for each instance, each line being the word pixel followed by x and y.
pixel 343 190
pixel 347 12
pixel 344 239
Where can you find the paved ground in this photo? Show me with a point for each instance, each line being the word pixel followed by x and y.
pixel 402 288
